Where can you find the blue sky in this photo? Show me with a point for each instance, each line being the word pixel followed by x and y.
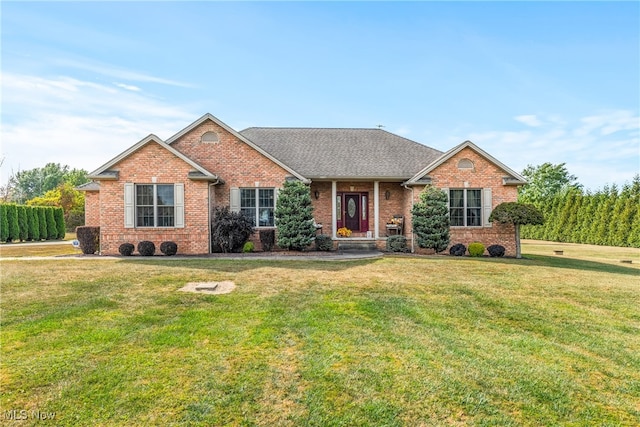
pixel 529 82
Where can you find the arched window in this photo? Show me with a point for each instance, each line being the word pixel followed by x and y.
pixel 465 164
pixel 210 138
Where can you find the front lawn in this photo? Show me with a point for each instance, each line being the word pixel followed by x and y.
pixel 395 341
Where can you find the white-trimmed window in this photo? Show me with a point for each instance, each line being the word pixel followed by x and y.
pixel 465 207
pixel 258 204
pixel 153 205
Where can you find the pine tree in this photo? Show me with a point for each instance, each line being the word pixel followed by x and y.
pixel 633 238
pixel 517 214
pixel 430 218
pixel 4 223
pixel 603 228
pixel 294 216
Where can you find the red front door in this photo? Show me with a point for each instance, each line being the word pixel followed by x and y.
pixel 352 211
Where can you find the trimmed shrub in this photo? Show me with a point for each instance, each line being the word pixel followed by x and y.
pixel 169 248
pixel 34 225
pixel 14 228
pixel 324 243
pixel 89 238
pixel 58 215
pixel 23 222
pixel 496 250
pixel 476 249
pixel 458 249
pixel 146 248
pixel 42 222
pixel 229 230
pixel 267 239
pixel 4 223
pixel 126 249
pixel 397 244
pixel 52 227
pixel 248 247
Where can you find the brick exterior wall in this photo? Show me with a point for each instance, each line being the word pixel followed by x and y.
pixel 92 208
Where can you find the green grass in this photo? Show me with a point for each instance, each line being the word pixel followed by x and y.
pixel 546 340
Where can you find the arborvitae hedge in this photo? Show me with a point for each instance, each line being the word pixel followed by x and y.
pixel 610 216
pixel 20 223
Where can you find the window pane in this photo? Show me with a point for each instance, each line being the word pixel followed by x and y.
pixel 144 195
pixel 266 198
pixel 144 216
pixel 165 216
pixel 364 208
pixel 165 195
pixel 474 199
pixel 339 208
pixel 473 217
pixel 456 198
pixel 457 217
pixel 247 198
pixel 266 217
pixel 249 213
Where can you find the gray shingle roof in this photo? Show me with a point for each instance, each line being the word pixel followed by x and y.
pixel 343 153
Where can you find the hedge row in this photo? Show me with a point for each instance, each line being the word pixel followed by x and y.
pixel 31 223
pixel 607 217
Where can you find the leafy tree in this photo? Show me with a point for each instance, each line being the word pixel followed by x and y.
pixel 430 218
pixel 294 216
pixel 545 181
pixel 4 223
pixel 35 182
pixel 66 197
pixel 517 214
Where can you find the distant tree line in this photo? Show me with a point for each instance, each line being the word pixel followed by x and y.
pixel 52 185
pixel 31 223
pixel 610 216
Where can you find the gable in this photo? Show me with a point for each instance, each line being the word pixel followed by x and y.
pixel 215 145
pixel 468 158
pixel 110 170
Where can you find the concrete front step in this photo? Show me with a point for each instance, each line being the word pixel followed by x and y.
pixel 357 246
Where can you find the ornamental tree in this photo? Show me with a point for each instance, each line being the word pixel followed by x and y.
pixel 430 218
pixel 294 216
pixel 517 214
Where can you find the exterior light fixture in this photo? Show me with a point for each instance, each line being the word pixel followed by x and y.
pixel 387 194
pixel 316 194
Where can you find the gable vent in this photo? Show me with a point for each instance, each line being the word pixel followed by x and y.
pixel 465 164
pixel 210 138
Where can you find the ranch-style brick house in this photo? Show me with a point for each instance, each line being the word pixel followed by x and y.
pixel 358 178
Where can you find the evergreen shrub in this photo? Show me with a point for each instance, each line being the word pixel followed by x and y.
pixel 324 243
pixel 126 249
pixel 397 244
pixel 476 249
pixel 4 223
pixel 169 248
pixel 146 248
pixel 458 249
pixel 496 250
pixel 248 247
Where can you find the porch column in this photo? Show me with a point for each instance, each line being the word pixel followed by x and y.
pixel 334 220
pixel 376 209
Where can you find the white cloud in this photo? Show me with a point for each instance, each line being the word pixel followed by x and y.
pixel 529 120
pixel 77 123
pixel 128 87
pixel 600 149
